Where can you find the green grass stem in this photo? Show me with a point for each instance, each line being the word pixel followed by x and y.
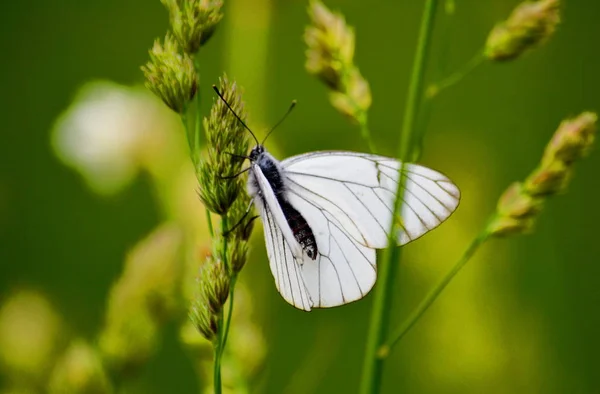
pixel 387 269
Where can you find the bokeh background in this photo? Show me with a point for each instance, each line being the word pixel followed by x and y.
pixel 521 318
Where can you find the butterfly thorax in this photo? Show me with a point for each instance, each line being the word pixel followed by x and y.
pixel 270 169
pixel 274 174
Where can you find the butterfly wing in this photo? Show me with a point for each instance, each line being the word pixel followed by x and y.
pixel 355 192
pixel 284 266
pixel 284 252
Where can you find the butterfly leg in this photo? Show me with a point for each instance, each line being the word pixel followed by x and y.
pixel 239 222
pixel 237 156
pixel 234 175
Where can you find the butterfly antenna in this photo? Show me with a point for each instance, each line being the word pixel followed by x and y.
pixel 280 121
pixel 234 114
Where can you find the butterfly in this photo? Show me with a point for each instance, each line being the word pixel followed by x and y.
pixel 325 213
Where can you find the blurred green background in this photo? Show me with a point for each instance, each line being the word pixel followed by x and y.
pixel 522 317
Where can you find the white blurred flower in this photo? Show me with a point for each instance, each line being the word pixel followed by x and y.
pixel 106 132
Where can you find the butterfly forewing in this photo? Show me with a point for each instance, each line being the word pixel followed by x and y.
pixel 358 191
pixel 284 266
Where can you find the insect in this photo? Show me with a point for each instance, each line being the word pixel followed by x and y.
pixel 325 213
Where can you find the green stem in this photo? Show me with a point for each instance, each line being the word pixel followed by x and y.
pixel 186 126
pixel 222 325
pixel 435 88
pixel 431 296
pixel 229 311
pixel 373 365
pixel 211 231
pixel 218 351
pixel 444 45
pixel 365 132
pixel 415 89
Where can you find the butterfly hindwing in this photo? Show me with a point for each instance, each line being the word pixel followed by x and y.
pixel 344 270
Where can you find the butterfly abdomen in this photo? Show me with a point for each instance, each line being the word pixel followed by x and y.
pixel 300 228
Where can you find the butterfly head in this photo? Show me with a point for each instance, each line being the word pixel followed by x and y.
pixel 256 152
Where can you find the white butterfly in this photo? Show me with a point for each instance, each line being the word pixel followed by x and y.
pixel 325 213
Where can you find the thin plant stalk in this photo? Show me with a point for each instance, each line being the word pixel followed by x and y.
pixel 218 352
pixel 186 126
pixel 365 132
pixel 229 309
pixel 435 88
pixel 223 325
pixel 211 231
pixel 445 43
pixel 415 90
pixel 410 321
pixel 373 365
